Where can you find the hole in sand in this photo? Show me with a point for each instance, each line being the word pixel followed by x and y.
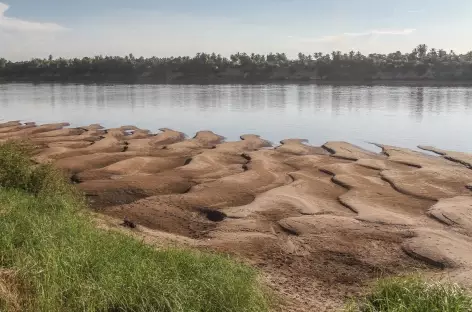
pixel 187 161
pixel 129 224
pixel 288 230
pixel 75 179
pixel 125 148
pixel 246 156
pixel 213 215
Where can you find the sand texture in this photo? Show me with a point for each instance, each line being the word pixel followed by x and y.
pixel 319 222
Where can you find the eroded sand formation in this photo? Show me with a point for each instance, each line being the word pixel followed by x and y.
pixel 320 222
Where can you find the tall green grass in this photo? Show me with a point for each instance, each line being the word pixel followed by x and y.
pixel 413 294
pixel 53 259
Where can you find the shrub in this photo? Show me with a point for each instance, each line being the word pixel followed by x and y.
pixel 15 165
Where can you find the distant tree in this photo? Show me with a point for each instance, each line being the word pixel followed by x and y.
pixel 422 49
pixel 442 53
pixel 351 55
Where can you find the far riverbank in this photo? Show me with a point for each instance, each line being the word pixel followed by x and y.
pixel 219 81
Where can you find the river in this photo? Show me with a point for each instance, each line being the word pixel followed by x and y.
pixel 394 115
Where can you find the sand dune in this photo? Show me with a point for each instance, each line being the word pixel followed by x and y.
pixel 320 222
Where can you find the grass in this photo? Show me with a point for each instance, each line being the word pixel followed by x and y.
pixel 53 259
pixel 413 294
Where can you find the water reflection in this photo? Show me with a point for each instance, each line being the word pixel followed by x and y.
pixel 337 99
pixel 402 115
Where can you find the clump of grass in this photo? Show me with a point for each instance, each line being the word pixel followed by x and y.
pixel 15 164
pixel 61 262
pixel 17 171
pixel 9 296
pixel 414 294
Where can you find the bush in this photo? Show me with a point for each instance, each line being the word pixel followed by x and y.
pixel 15 166
pixel 57 260
pixel 413 294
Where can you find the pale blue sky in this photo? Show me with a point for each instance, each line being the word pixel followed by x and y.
pixel 37 28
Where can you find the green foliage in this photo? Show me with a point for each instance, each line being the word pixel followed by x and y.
pixel 413 294
pixel 58 261
pixel 437 64
pixel 18 172
pixel 15 166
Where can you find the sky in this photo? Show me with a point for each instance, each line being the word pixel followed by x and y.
pixel 72 28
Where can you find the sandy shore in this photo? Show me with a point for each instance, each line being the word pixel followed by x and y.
pixel 320 222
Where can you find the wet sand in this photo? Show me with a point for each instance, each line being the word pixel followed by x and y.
pixel 320 222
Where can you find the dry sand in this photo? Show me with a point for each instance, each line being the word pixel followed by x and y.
pixel 320 222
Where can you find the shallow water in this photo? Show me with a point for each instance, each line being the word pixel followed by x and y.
pixel 403 116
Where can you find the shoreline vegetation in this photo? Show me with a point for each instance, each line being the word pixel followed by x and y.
pixel 413 294
pixel 422 66
pixel 54 259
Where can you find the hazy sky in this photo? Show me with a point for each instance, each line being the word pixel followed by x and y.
pixel 37 28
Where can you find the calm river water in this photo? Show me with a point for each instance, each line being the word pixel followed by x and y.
pixel 403 116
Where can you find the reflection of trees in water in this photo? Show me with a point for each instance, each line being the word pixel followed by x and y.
pixel 260 98
pixel 308 99
pixel 89 97
pixel 4 96
pixel 395 98
pixel 206 97
pixel 238 97
pixel 256 97
pixel 416 103
pixel 353 98
pixel 52 93
pixel 177 96
pixel 416 100
pixel 336 102
pixel 100 96
pixel 305 97
pixel 468 98
pixel 131 95
pixel 443 99
pixel 79 91
pixel 370 98
pixel 277 97
pixel 349 96
pixel 322 97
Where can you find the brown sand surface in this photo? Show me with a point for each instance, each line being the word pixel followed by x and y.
pixel 319 222
pixel 463 158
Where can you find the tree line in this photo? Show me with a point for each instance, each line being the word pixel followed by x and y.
pixel 420 64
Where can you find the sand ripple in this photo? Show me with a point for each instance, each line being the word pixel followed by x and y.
pixel 320 222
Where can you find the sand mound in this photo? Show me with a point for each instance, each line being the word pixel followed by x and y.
pixel 298 147
pixel 432 182
pixel 10 124
pixel 348 151
pixel 456 212
pixel 29 130
pixel 140 165
pixel 463 158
